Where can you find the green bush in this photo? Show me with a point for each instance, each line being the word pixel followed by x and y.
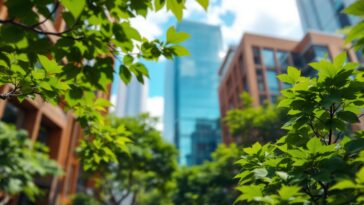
pixel 317 161
pixel 21 162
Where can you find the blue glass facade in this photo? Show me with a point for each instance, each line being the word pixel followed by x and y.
pixel 191 101
pixel 324 15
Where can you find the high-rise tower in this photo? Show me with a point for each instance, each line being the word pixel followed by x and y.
pixel 192 117
pixel 324 15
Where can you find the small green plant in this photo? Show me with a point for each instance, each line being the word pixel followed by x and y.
pixel 21 162
pixel 318 161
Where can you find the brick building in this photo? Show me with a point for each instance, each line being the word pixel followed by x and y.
pixel 49 125
pixel 254 64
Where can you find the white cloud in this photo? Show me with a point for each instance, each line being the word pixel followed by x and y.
pixel 155 106
pixel 151 26
pixel 276 18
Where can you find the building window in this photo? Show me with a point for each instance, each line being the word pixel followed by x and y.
pixel 342 18
pixel 260 80
pixel 297 60
pixel 241 64
pixel 256 55
pixel 268 58
pixel 272 82
pixel 13 115
pixel 274 99
pixel 316 53
pixel 43 135
pixel 283 60
pixel 359 55
pixel 245 84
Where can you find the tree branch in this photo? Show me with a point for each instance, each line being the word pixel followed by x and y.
pixel 31 28
pixel 130 183
pixel 48 17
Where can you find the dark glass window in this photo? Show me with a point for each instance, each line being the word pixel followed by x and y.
pixel 342 18
pixel 13 115
pixel 268 58
pixel 256 55
pixel 241 64
pixel 43 135
pixel 297 60
pixel 245 84
pixel 359 55
pixel 272 81
pixel 316 53
pixel 283 60
pixel 274 98
pixel 260 80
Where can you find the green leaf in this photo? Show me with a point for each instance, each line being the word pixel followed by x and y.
pixel 282 175
pixel 128 60
pixel 204 3
pixel 340 60
pixel 314 145
pixel 348 116
pixel 249 192
pixel 357 8
pixel 11 33
pixel 292 76
pixel 50 66
pixel 74 6
pixel 254 149
pixel 131 32
pixel 45 86
pixel 159 4
pixel 124 74
pixel 140 68
pixel 360 176
pixel 175 37
pixel 176 6
pixel 344 184
pixel 286 192
pixel 260 173
pixel 180 51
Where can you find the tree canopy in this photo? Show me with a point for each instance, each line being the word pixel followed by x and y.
pixel 147 167
pixel 70 63
pixel 252 124
pixel 317 161
pixel 21 161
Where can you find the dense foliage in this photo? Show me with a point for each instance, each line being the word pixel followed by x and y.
pixel 251 124
pixel 69 66
pixel 317 161
pixel 356 34
pixel 146 168
pixel 21 161
pixel 210 183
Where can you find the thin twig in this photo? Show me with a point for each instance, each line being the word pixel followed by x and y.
pixel 31 28
pixel 48 17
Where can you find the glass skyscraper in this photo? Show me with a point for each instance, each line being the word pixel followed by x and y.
pixel 324 15
pixel 192 118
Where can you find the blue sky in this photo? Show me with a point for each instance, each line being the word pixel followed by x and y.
pixel 276 18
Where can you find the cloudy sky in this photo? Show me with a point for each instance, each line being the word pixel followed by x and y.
pixel 276 18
